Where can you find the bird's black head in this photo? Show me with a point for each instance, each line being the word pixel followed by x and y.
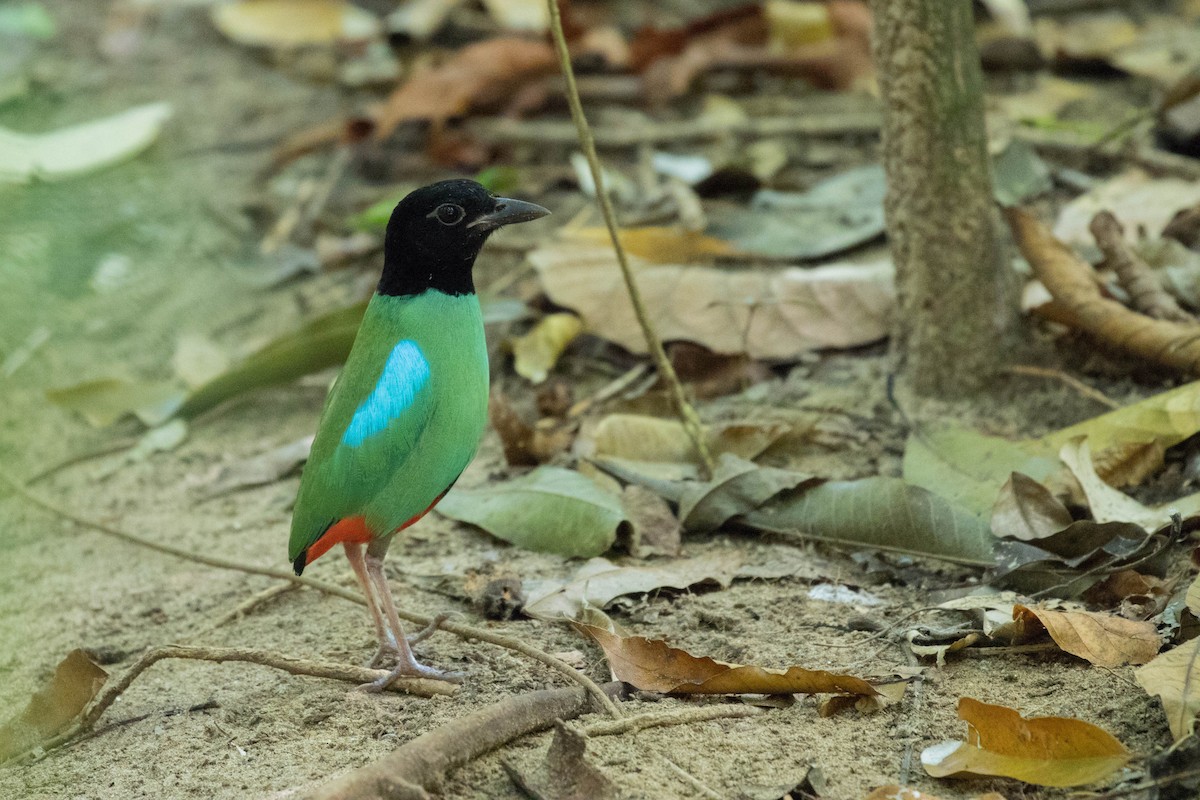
pixel 435 233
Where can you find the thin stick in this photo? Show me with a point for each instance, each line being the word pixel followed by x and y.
pixel 693 781
pixel 1069 380
pixel 542 132
pixel 676 716
pixel 458 629
pixel 422 687
pixel 246 606
pixel 691 420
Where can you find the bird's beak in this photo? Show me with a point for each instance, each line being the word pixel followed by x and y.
pixel 509 212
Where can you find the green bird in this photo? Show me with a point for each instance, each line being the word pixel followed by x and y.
pixel 406 415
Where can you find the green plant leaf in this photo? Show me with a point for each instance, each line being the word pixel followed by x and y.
pixel 550 510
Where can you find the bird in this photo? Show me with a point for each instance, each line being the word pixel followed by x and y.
pixel 406 414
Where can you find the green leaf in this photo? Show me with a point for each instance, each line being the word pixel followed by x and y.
pixel 886 513
pixel 737 486
pixel 321 343
pixel 105 400
pixel 550 510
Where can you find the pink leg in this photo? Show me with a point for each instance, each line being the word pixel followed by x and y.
pixel 387 642
pixel 407 665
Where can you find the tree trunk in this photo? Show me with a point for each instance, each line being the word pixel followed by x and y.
pixel 956 310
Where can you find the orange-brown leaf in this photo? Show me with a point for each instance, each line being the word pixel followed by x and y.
pixel 653 665
pixel 1046 751
pixel 481 75
pixel 1103 639
pixel 75 683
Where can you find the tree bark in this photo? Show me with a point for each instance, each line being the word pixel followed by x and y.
pixel 956 310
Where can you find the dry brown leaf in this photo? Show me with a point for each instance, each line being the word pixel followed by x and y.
pixel 536 352
pixel 1045 751
pixel 1103 639
pixel 1193 596
pixel 655 528
pixel 654 666
pixel 1174 678
pixel 481 75
pixel 1125 585
pixel 1027 510
pixel 293 23
pixel 769 313
pixel 660 245
pixel 1071 281
pixel 527 445
pixel 76 681
pixel 889 693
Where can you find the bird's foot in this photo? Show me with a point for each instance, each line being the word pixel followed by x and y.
pixel 389 654
pixel 410 668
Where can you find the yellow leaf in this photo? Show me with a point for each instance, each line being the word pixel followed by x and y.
pixel 536 352
pixel 1103 639
pixel 791 24
pixel 293 23
pixel 635 437
pixel 1174 677
pixel 1045 751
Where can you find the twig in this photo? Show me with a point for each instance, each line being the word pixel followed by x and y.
pixel 420 765
pixel 691 420
pixel 1145 291
pixel 609 390
pixel 422 687
pixel 676 716
pixel 697 784
pixel 1069 380
pixel 918 694
pixel 106 449
pixel 457 628
pixel 249 604
pixel 842 123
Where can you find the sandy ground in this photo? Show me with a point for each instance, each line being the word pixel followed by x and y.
pixel 234 730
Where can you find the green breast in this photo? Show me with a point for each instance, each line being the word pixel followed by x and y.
pixel 404 418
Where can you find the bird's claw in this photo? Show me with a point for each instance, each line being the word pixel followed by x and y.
pixel 410 669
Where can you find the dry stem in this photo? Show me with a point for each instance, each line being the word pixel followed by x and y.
pixel 410 771
pixel 691 420
pixel 1145 291
pixel 458 629
pixel 675 716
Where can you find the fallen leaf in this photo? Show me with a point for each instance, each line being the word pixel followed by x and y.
pixel 421 19
pixel 654 666
pixel 1193 597
pixel 737 487
pixel 660 245
pixel 769 313
pixel 198 360
pixel 318 344
pixel 1027 510
pixel 884 513
pixel 80 149
pixel 480 75
pixel 105 400
pixel 76 681
pixel 1109 505
pixel 1044 751
pixel 1102 639
pixel 1126 585
pixel 1135 198
pixel 293 23
pixel 527 445
pixel 603 582
pixel 550 510
pixel 260 470
pixel 1018 174
pixel 1174 678
pixel 567 773
pixel 655 530
pixel 536 352
pixel 833 216
pixel 519 15
pixel 639 438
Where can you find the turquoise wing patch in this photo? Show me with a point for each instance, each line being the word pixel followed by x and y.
pixel 404 375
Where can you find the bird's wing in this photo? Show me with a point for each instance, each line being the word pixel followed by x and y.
pixel 372 424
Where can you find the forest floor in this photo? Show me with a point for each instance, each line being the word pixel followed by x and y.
pixel 205 730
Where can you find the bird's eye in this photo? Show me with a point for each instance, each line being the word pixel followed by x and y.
pixel 449 214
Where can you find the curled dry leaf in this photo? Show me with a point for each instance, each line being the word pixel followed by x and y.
pixel 654 666
pixel 481 75
pixel 1174 678
pixel 636 437
pixel 293 23
pixel 1027 510
pixel 536 352
pixel 1103 639
pixel 1045 751
pixel 771 313
pixel 1071 281
pixel 75 683
pixel 527 445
